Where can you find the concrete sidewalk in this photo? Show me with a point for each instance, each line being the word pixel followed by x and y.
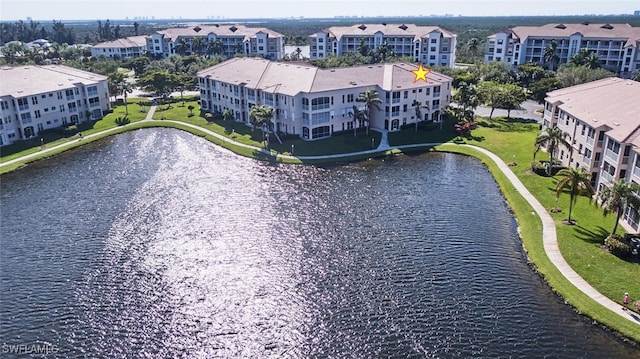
pixel 549 238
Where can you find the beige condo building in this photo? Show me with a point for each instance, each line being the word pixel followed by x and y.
pixel 617 46
pixel 602 119
pixel 431 45
pixel 315 103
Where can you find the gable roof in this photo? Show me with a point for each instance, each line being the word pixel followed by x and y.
pixel 226 30
pixel 386 29
pixel 611 102
pixel 127 42
pixel 297 77
pixel 624 32
pixel 28 80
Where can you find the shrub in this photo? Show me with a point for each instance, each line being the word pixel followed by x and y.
pixel 70 130
pixel 121 121
pixel 617 245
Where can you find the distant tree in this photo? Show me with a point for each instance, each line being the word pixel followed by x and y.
pixel 578 180
pixel 363 49
pixel 496 71
pixel 139 65
pixel 551 138
pixel 136 27
pixel 529 73
pixel 473 48
pixel 540 88
pixel 571 75
pixel 468 99
pixel 158 81
pixel 115 81
pixel 126 88
pixel 190 108
pixel 586 58
pixel 512 97
pixel 636 76
pixel 198 45
pixel 550 54
pixel 490 93
pixel 464 76
pixel 182 46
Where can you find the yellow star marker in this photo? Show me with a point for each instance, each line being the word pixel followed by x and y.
pixel 421 74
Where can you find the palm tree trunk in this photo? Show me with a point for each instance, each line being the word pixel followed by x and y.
pixel 618 215
pixel 570 207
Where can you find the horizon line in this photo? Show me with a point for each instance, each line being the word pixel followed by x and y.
pixel 151 18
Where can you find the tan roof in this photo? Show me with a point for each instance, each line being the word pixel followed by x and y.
pixel 127 42
pixel 623 32
pixel 293 78
pixel 226 30
pixel 386 29
pixel 30 80
pixel 611 102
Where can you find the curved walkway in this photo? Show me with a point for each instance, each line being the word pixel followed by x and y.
pixel 549 238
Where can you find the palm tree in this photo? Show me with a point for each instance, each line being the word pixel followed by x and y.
pixel 182 46
pixel 473 46
pixel 126 88
pixel 417 105
pixel 260 116
pixel 370 99
pixel 358 117
pixel 198 44
pixel 227 115
pixel 550 54
pixel 618 197
pixel 551 138
pixel 578 180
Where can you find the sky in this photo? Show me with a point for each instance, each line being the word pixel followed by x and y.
pixel 237 9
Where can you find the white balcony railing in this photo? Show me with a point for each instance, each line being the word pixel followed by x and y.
pixel 607 176
pixel 590 141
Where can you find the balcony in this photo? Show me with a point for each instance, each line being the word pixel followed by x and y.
pixel 636 172
pixel 607 176
pixel 586 160
pixel 611 155
pixel 590 141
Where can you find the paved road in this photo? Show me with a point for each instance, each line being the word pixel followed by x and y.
pixel 528 111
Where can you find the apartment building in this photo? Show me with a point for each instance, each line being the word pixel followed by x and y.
pixel 37 98
pixel 315 103
pixel 227 40
pixel 121 49
pixel 602 119
pixel 431 45
pixel 616 45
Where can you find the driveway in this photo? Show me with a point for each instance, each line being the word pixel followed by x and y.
pixel 527 111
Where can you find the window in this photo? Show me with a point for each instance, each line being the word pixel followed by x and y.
pixel 23 104
pixel 37 113
pixel 320 103
pixel 350 97
pixel 319 118
pixel 34 100
pixel 25 117
pixel 92 90
pixel 319 132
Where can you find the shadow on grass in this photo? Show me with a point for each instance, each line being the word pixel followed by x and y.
pixel 590 236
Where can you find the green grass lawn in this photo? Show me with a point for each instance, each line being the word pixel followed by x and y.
pixel 580 244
